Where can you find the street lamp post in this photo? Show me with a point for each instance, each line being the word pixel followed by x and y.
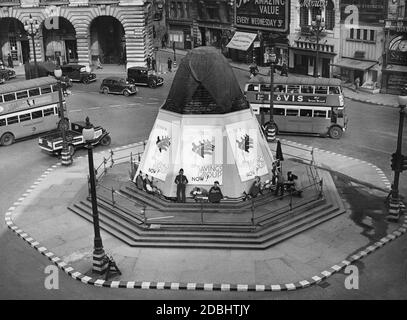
pixel 271 130
pixel 100 261
pixel 394 209
pixel 32 27
pixel 317 26
pixel 66 153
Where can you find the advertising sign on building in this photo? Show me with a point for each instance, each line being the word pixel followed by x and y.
pixel 269 15
pixel 369 11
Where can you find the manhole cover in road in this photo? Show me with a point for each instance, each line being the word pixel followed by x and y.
pixel 324 284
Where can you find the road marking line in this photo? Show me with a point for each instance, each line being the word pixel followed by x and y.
pixel 76 110
pixel 94 108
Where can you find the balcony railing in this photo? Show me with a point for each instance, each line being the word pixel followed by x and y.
pixel 313 46
pixel 9 3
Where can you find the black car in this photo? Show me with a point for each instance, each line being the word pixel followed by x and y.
pixel 117 85
pixel 78 72
pixel 6 74
pixel 144 76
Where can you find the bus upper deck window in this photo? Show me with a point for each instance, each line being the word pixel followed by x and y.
pixel 321 90
pixel 34 92
pixel 9 97
pixel 307 89
pixel 293 89
pixel 22 94
pixel 280 88
pixel 46 89
pixel 334 90
pixel 265 87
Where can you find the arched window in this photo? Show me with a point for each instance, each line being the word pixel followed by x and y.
pixel 304 16
pixel 329 16
pixel 314 12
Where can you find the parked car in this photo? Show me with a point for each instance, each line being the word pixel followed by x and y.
pixel 52 142
pixel 117 85
pixel 6 73
pixel 78 72
pixel 144 76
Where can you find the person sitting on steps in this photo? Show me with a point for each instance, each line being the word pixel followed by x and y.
pixel 215 193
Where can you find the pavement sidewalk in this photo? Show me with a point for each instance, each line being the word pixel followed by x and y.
pixel 381 99
pixel 42 219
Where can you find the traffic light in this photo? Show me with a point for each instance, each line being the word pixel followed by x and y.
pixel 398 162
pixel 403 163
pixel 395 162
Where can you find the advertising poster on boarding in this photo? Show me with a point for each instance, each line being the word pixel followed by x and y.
pixel 202 154
pixel 158 157
pixel 244 141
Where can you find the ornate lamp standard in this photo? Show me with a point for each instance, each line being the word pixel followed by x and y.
pixel 398 165
pixel 31 27
pixel 100 260
pixel 66 153
pixel 317 26
pixel 271 129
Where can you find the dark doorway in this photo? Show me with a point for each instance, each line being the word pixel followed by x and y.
pixel 203 36
pixel 71 51
pixel 326 68
pixel 301 64
pixel 25 50
pixel 107 38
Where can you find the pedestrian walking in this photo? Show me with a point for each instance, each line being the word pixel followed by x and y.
pixel 153 64
pixel 357 84
pixel 284 70
pixel 181 181
pixel 169 63
pixel 173 48
pixel 98 64
pixel 148 63
pixel 10 61
pixel 280 184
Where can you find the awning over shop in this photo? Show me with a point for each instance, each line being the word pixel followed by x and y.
pixel 242 40
pixel 395 68
pixel 354 64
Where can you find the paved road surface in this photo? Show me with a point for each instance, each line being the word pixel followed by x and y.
pixel 371 136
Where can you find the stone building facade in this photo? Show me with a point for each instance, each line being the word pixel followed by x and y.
pixel 116 31
pixel 303 41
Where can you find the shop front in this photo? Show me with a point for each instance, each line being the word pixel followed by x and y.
pixel 181 35
pixel 351 69
pixel 395 69
pixel 302 61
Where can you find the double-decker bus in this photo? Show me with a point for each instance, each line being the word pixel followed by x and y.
pixel 27 108
pixel 300 105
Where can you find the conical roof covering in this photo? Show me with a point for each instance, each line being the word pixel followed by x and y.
pixel 205 84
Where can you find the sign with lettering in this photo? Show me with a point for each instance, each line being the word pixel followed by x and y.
pixel 370 11
pixel 270 15
pixel 291 98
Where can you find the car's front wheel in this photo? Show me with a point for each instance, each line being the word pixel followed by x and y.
pixel 105 90
pixel 152 84
pixel 85 80
pixel 106 141
pixel 126 93
pixel 6 76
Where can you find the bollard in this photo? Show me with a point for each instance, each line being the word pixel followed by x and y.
pixel 321 185
pixel 111 158
pixel 271 133
pixel 113 202
pixel 104 165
